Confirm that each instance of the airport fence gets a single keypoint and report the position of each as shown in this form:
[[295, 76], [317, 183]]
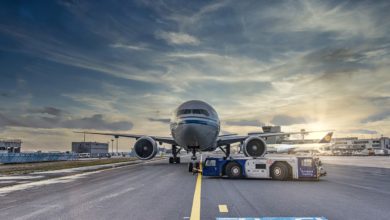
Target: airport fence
[[35, 157]]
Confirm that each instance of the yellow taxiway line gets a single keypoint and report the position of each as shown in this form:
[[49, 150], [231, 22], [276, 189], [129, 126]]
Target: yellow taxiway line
[[195, 211]]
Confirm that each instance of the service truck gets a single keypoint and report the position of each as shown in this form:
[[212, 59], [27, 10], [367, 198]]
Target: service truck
[[270, 167]]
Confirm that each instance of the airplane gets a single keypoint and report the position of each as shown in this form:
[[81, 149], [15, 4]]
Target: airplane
[[195, 127], [320, 146]]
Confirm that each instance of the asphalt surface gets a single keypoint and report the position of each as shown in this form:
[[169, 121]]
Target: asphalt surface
[[158, 190]]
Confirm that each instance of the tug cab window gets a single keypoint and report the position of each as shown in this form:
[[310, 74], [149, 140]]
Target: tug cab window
[[307, 162], [210, 163]]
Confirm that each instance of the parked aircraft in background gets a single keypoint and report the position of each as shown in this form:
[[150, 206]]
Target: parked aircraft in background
[[322, 146]]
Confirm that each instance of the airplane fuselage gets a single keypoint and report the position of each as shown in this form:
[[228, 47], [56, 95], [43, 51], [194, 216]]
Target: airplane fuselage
[[195, 124]]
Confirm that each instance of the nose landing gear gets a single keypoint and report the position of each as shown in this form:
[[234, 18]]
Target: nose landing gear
[[193, 166]]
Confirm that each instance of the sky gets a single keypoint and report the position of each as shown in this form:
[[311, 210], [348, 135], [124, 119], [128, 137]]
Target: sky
[[123, 66]]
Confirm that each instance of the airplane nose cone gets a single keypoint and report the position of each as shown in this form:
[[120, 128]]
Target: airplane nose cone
[[190, 134], [195, 133]]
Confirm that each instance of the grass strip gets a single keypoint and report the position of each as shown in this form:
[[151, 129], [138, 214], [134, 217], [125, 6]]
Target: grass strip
[[26, 168]]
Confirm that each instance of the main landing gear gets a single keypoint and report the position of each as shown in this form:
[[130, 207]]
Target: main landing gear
[[175, 158]]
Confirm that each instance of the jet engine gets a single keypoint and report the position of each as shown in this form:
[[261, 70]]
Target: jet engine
[[145, 148], [254, 147]]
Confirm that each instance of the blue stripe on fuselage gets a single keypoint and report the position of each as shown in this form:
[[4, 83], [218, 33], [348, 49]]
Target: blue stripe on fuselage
[[200, 122], [197, 117]]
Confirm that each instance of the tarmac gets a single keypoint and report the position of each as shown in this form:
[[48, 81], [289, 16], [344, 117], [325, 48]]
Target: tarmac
[[158, 190]]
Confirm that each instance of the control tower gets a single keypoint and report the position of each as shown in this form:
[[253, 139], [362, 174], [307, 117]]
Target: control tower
[[273, 129]]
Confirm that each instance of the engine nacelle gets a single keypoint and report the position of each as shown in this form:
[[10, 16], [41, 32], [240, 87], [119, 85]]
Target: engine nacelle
[[254, 147], [145, 148]]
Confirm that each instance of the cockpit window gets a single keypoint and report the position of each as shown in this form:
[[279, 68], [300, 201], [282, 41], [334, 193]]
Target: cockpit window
[[200, 112], [193, 111], [184, 111]]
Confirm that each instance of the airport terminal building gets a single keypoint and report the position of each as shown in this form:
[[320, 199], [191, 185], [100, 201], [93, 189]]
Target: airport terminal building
[[90, 147], [353, 143], [10, 145]]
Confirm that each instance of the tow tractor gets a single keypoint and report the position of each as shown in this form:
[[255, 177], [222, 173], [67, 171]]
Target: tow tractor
[[269, 167]]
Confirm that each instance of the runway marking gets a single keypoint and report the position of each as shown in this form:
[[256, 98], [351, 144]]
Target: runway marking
[[24, 186], [223, 208], [110, 196], [195, 211], [362, 187], [39, 210]]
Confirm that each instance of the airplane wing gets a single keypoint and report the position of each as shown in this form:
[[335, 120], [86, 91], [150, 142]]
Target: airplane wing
[[224, 140], [167, 140]]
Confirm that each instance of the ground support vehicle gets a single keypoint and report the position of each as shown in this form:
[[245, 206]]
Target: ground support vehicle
[[269, 167]]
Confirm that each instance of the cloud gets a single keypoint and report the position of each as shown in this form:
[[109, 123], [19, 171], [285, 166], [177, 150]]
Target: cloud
[[162, 120], [97, 122], [344, 19], [185, 19], [5, 94], [6, 121], [58, 120], [177, 38], [128, 46], [47, 110], [377, 117], [359, 131], [287, 120], [337, 60], [331, 55], [244, 122]]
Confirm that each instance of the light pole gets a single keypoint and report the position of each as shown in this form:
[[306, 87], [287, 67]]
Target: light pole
[[117, 140], [112, 146]]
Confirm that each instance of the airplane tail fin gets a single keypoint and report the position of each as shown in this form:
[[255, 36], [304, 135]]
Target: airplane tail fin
[[327, 138]]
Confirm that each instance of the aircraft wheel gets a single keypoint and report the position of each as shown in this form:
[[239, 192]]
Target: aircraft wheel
[[279, 171], [171, 160], [190, 167], [177, 160], [233, 170]]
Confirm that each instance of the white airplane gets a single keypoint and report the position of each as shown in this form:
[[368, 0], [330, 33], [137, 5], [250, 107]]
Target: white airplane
[[320, 146], [195, 127]]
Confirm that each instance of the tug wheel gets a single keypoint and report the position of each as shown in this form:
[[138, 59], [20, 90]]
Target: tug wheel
[[233, 170], [279, 171]]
